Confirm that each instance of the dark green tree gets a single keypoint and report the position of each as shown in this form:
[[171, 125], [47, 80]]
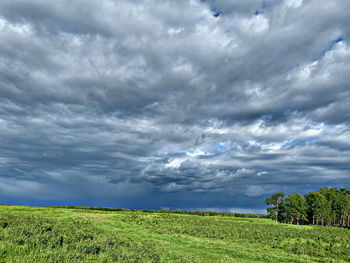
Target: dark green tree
[[338, 204], [318, 208], [276, 212], [296, 209], [328, 206]]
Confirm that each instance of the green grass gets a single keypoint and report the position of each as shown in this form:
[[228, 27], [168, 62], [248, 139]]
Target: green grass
[[32, 234]]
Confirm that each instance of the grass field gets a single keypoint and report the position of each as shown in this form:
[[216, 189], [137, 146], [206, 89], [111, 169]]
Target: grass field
[[31, 234]]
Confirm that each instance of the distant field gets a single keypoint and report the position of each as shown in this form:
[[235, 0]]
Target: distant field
[[30, 234]]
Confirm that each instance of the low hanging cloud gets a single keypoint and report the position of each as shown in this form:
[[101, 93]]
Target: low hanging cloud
[[178, 104], [192, 176]]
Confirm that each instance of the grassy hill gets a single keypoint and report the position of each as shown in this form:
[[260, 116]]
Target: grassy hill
[[32, 234]]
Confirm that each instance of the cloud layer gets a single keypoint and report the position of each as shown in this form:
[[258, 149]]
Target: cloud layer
[[176, 104]]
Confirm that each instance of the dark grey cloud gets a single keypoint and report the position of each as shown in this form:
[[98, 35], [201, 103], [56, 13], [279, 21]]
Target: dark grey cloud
[[177, 104]]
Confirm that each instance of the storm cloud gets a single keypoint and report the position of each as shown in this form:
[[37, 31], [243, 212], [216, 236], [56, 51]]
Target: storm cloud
[[172, 104]]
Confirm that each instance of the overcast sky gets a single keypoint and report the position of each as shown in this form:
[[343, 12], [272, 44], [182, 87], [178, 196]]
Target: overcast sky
[[172, 104]]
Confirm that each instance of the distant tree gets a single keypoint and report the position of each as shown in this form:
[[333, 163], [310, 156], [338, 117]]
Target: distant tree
[[328, 206], [346, 207], [319, 209], [338, 204], [296, 209], [276, 212], [345, 192]]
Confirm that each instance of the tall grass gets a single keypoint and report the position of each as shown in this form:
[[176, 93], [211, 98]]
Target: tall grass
[[30, 234]]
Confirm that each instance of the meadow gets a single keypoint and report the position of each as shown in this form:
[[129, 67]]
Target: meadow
[[46, 234]]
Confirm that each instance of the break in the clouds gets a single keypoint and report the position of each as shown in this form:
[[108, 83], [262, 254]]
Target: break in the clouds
[[176, 104]]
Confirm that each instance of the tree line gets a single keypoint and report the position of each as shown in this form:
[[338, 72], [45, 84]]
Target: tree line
[[327, 207], [165, 211]]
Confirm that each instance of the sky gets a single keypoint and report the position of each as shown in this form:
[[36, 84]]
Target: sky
[[183, 104]]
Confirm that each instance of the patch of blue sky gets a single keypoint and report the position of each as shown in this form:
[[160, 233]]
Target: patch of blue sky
[[258, 12], [332, 44], [291, 142], [329, 134], [264, 5], [216, 13], [220, 147], [296, 142]]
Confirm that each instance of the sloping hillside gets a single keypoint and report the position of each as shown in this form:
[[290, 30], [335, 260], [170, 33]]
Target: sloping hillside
[[29, 234]]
